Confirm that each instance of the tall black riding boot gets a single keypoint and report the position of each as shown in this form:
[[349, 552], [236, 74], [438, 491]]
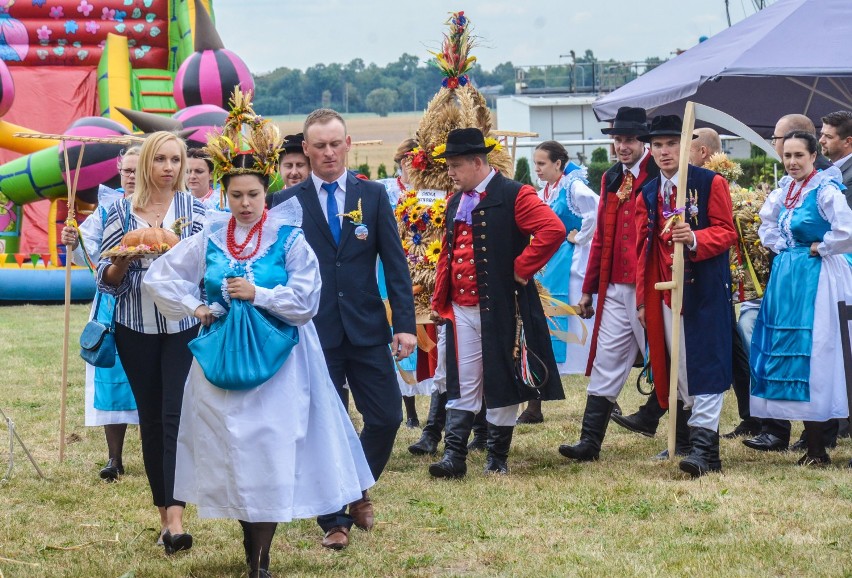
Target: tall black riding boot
[[499, 440], [815, 436], [646, 420], [682, 434], [704, 456], [480, 431], [595, 419], [431, 436], [453, 464]]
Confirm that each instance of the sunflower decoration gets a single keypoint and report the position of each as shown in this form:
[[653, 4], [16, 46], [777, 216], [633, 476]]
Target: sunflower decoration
[[421, 229], [433, 251], [456, 105]]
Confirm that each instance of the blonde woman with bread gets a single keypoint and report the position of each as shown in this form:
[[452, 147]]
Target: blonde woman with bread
[[153, 350]]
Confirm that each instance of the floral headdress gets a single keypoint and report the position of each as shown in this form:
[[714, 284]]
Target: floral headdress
[[244, 133]]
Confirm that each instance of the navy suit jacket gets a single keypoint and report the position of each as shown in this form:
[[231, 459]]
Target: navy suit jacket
[[350, 303]]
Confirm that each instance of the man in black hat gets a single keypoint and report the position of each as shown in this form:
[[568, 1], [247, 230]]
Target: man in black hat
[[705, 227], [293, 165], [483, 274], [617, 337]]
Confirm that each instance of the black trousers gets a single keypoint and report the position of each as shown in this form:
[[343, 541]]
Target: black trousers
[[157, 365], [370, 374], [741, 373]]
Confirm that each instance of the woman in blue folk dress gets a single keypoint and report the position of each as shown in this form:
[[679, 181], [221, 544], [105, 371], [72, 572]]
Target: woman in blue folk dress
[[566, 191], [796, 356], [263, 435]]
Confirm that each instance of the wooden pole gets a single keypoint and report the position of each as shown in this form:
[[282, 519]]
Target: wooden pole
[[63, 392], [676, 284]]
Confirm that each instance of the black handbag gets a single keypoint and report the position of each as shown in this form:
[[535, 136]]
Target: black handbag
[[97, 341]]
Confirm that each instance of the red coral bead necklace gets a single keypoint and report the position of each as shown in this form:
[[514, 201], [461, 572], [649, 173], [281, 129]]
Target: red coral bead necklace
[[792, 199], [237, 249]]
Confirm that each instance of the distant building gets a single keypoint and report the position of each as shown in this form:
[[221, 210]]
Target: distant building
[[570, 120]]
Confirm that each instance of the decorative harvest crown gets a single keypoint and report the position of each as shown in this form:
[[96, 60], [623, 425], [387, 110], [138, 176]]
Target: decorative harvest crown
[[455, 60], [244, 133], [456, 105]]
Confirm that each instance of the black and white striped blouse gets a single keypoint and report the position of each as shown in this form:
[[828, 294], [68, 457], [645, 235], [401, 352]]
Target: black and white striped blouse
[[133, 307]]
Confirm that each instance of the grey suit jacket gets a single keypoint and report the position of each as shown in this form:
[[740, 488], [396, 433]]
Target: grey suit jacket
[[846, 169]]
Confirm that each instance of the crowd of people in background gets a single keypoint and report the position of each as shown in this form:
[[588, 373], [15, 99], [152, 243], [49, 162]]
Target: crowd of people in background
[[305, 259]]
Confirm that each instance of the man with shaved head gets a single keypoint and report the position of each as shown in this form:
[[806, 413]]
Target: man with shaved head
[[705, 145], [791, 122]]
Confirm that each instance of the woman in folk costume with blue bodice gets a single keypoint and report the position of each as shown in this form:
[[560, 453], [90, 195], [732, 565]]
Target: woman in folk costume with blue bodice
[[263, 437], [566, 191], [796, 356], [108, 398]]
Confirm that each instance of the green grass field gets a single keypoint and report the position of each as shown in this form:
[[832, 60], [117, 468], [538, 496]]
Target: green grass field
[[622, 516]]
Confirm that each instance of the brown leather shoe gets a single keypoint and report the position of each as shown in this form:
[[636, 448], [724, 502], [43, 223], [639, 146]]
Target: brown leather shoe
[[337, 538], [362, 512]]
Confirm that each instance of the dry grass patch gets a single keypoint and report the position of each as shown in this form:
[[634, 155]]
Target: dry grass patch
[[621, 516]]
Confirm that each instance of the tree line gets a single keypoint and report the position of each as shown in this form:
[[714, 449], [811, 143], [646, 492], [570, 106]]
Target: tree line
[[409, 83]]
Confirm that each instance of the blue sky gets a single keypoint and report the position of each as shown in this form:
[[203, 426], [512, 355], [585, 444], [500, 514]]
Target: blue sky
[[297, 34]]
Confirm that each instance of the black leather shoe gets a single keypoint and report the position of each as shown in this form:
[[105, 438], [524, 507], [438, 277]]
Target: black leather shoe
[[814, 461], [766, 442], [635, 423], [112, 470], [425, 445], [176, 542], [800, 445], [747, 427], [260, 573], [412, 423]]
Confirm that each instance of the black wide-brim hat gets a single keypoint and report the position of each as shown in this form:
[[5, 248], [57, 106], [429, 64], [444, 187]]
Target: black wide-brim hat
[[465, 141], [629, 121], [664, 125], [293, 144]]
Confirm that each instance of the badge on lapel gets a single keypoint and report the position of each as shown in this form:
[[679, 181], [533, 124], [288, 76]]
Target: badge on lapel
[[356, 217]]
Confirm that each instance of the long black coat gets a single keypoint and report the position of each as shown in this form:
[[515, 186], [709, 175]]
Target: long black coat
[[497, 242]]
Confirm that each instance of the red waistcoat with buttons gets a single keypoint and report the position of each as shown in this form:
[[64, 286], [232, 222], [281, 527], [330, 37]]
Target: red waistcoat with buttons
[[463, 280]]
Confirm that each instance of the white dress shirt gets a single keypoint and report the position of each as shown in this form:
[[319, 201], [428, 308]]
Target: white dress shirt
[[339, 194]]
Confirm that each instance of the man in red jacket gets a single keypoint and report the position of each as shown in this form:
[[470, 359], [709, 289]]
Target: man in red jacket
[[617, 337], [499, 234], [705, 227]]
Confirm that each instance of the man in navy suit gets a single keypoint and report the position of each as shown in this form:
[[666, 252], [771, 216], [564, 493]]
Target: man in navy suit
[[352, 322]]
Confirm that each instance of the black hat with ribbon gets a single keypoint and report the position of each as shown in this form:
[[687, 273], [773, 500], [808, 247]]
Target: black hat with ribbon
[[292, 144], [664, 125], [465, 141], [629, 121]]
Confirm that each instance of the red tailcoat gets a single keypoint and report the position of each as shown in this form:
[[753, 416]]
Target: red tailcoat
[[612, 258]]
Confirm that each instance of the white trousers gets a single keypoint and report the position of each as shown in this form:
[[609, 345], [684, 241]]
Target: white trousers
[[620, 339], [706, 409], [439, 381], [469, 347]]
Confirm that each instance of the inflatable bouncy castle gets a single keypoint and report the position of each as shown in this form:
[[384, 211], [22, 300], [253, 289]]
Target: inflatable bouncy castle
[[94, 68]]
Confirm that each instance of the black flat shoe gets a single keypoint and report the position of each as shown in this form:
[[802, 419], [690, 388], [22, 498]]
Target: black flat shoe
[[112, 470], [176, 542]]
